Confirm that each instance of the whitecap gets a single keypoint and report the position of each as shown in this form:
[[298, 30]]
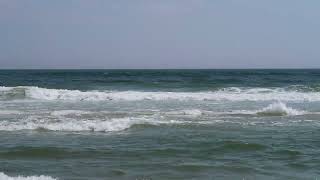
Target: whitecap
[[254, 94], [3, 88], [227, 94], [279, 109], [69, 124], [41, 177]]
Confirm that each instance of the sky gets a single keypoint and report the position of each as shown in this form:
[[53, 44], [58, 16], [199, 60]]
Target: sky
[[143, 34]]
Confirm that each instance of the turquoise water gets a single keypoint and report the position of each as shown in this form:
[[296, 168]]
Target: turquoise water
[[160, 124]]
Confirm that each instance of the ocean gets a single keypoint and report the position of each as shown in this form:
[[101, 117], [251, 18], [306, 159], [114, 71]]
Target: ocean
[[160, 124]]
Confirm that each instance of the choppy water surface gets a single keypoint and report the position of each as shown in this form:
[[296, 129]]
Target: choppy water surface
[[160, 124]]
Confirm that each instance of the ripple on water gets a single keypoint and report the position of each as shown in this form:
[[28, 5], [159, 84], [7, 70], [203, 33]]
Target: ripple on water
[[239, 146], [49, 153]]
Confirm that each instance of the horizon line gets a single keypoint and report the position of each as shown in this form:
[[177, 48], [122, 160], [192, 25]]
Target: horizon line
[[307, 68]]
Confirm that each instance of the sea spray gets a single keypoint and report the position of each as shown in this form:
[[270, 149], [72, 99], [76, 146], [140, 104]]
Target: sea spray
[[279, 109]]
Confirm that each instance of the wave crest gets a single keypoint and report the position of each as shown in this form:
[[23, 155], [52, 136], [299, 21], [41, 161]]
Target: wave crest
[[279, 109], [228, 94], [68, 124], [41, 177]]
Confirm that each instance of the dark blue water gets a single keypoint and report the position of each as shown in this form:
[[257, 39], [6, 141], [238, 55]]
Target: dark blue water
[[160, 124], [171, 80]]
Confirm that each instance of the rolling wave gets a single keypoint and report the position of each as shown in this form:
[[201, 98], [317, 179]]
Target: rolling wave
[[274, 109], [70, 124], [227, 94], [101, 121]]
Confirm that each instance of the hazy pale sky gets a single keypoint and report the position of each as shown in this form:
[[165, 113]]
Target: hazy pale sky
[[159, 34]]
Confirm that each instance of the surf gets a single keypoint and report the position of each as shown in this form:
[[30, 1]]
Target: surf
[[225, 94]]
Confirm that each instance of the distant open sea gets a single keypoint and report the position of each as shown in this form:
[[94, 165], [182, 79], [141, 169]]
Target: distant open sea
[[159, 124]]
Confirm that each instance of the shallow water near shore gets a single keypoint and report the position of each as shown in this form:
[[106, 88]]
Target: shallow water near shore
[[159, 124]]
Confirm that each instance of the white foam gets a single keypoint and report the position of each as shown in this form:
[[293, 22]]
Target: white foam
[[9, 112], [62, 122], [279, 108], [69, 124], [255, 94], [69, 112], [186, 112], [227, 94], [41, 177], [3, 88]]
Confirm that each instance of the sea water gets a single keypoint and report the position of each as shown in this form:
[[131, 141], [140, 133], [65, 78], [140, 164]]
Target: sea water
[[159, 124]]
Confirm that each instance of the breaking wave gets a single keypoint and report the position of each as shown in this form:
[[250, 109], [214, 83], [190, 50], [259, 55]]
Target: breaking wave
[[274, 109], [41, 177], [69, 124], [279, 109], [100, 121], [228, 94]]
